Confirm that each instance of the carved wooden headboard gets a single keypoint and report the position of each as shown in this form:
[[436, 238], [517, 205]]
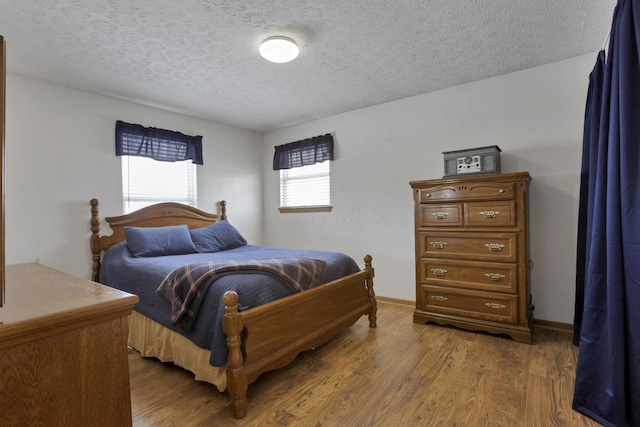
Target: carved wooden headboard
[[158, 215]]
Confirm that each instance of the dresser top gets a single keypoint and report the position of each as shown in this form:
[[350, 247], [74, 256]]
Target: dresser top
[[39, 298], [495, 177]]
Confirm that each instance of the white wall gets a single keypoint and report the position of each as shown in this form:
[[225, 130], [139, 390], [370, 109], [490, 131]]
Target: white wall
[[535, 116], [60, 153]]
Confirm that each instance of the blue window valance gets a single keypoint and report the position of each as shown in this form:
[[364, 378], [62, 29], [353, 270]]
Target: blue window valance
[[158, 144], [304, 152]]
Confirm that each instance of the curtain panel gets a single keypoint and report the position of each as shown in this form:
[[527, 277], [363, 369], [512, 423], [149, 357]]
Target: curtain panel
[[303, 153], [158, 144], [607, 386], [590, 148]]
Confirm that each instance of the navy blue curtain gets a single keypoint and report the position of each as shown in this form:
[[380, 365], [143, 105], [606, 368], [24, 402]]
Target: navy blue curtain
[[158, 144], [303, 153], [607, 386], [590, 157]]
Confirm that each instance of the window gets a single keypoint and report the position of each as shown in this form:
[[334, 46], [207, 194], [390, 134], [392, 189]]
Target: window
[[158, 165], [306, 187], [146, 181], [305, 181]]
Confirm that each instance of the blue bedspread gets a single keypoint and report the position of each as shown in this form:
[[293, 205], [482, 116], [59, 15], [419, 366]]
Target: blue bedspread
[[142, 276]]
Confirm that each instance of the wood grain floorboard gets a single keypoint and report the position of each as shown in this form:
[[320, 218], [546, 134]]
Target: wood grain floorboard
[[399, 374]]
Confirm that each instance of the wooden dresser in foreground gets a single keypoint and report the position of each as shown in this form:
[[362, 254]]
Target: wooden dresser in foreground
[[63, 350], [472, 253]]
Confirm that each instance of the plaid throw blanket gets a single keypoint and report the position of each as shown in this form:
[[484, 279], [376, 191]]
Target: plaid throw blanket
[[185, 286]]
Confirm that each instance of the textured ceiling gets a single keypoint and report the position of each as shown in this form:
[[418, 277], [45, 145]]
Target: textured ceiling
[[199, 57]]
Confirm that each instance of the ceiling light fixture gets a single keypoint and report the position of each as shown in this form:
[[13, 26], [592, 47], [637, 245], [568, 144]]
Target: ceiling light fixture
[[279, 49]]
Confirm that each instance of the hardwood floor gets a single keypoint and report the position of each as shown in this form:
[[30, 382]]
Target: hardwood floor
[[400, 374]]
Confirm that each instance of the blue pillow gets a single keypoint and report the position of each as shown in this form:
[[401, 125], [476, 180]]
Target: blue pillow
[[220, 236], [159, 241]]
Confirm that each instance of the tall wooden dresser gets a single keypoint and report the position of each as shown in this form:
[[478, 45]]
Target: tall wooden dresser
[[472, 253]]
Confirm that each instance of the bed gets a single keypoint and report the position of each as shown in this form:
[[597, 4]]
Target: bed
[[255, 336]]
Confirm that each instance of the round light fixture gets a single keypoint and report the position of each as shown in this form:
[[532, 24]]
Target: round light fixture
[[279, 49]]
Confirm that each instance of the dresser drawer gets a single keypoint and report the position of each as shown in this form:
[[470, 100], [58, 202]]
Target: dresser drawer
[[474, 304], [441, 215], [482, 276], [469, 190], [490, 214], [472, 246]]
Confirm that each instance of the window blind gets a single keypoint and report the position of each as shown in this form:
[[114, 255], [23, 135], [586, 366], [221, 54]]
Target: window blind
[[146, 181], [306, 186]]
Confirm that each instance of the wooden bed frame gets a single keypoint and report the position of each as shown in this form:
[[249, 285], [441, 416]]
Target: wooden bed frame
[[263, 338]]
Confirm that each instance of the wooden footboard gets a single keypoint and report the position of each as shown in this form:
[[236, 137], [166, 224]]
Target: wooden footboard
[[270, 336]]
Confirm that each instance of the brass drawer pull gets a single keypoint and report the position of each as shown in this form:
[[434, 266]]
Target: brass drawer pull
[[438, 245], [494, 276], [495, 246], [439, 298], [439, 271], [489, 214], [440, 215], [495, 305]]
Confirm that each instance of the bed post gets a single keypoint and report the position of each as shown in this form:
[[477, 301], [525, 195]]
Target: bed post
[[372, 296], [236, 375], [95, 240], [223, 209]]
